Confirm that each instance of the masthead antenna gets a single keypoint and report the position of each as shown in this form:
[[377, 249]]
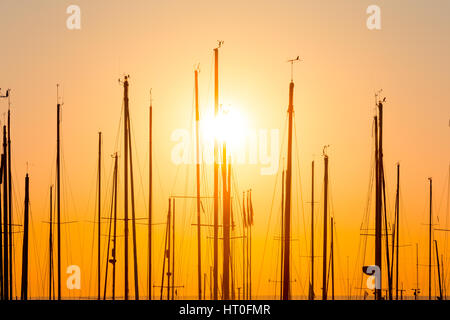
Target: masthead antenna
[[377, 99], [6, 95], [151, 99], [291, 61], [57, 93]]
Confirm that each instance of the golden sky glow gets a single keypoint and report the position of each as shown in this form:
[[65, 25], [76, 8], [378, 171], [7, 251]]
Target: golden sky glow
[[159, 43]]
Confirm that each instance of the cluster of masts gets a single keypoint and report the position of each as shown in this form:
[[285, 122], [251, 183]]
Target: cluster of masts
[[222, 177]]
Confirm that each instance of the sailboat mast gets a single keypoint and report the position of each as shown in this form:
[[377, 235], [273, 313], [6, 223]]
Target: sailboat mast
[[99, 212], [244, 242], [150, 198], [417, 272], [282, 233], [197, 145], [216, 174], [5, 218], [4, 250], [226, 227], [114, 252], [325, 226], [50, 246], [24, 290], [173, 248], [58, 194], [169, 220], [10, 201], [133, 214], [125, 168], [397, 232], [377, 209], [1, 240], [250, 246], [111, 222], [439, 270], [332, 258], [230, 211], [388, 263], [287, 211], [166, 253], [312, 232], [430, 238]]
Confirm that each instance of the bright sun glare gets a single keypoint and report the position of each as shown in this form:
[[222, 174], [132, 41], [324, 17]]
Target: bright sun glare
[[228, 126]]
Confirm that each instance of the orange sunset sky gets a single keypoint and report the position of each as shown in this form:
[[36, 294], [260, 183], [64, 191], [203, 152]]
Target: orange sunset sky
[[158, 43]]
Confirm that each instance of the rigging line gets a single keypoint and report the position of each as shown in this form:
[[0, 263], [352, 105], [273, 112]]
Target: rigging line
[[366, 216], [68, 194], [65, 206], [18, 208], [138, 165], [181, 256], [93, 233], [440, 204], [93, 239], [337, 245], [271, 208], [209, 98], [238, 213], [404, 228], [332, 214], [299, 186], [107, 204], [445, 236], [35, 249]]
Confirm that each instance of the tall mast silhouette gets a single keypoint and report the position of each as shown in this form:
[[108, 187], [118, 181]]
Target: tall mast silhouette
[[125, 168], [197, 152], [282, 232], [128, 159], [4, 250], [10, 201], [311, 291], [2, 275], [150, 198], [250, 224], [379, 187], [5, 218], [287, 211], [439, 271], [216, 174], [168, 236], [325, 225], [112, 220], [397, 229], [50, 247], [114, 250], [24, 288], [99, 212], [58, 190], [133, 212], [332, 257], [430, 236], [226, 227], [244, 247]]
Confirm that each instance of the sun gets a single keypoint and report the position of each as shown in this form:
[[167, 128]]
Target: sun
[[227, 127]]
